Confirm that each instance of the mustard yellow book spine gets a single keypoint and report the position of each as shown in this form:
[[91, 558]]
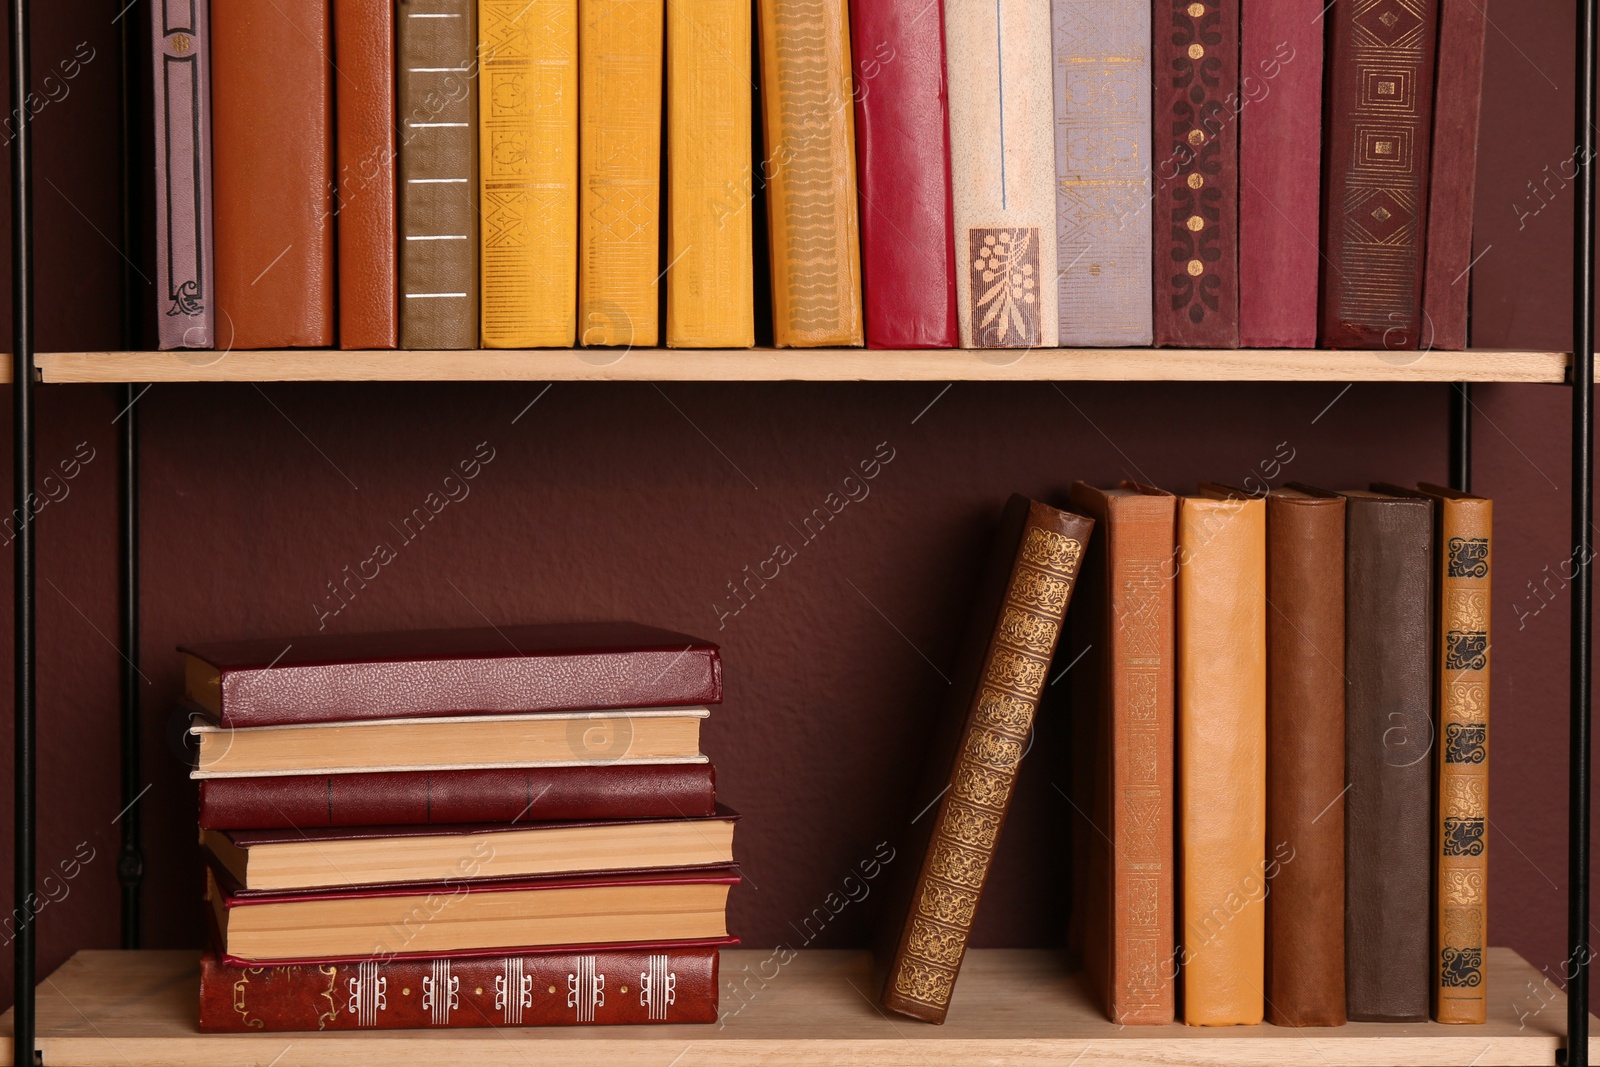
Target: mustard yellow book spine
[[710, 181], [619, 156], [808, 114], [528, 171]]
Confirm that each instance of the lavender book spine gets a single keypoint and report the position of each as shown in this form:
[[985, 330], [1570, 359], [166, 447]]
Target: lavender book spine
[[184, 270]]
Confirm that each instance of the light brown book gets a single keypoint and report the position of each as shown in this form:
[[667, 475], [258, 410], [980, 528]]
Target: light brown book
[[1123, 716]]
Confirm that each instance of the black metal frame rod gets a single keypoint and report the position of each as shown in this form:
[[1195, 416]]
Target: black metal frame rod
[[1461, 437]]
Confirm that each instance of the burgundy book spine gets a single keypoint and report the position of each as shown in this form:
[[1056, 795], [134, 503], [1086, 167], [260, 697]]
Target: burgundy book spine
[[185, 271], [1446, 272], [1195, 59], [1375, 206], [670, 985], [1280, 172], [539, 794], [903, 159]]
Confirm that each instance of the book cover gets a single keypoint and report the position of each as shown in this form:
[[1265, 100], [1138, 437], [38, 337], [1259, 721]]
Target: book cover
[[1453, 181], [368, 222], [186, 296]]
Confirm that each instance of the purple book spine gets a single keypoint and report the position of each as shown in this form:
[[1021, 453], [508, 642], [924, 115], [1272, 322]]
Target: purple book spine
[[184, 271]]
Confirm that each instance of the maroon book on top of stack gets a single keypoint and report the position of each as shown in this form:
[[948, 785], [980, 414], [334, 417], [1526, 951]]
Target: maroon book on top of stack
[[483, 816]]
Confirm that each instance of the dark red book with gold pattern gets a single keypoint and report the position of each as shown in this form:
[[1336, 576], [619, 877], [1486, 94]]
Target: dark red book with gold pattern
[[1196, 146]]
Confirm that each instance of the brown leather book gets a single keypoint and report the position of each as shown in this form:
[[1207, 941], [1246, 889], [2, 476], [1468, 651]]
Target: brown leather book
[[1122, 695], [1305, 758], [1003, 670], [369, 315], [1222, 728], [437, 42], [1388, 666], [272, 152]]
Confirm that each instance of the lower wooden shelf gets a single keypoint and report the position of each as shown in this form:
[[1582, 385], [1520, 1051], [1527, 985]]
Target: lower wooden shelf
[[129, 1009]]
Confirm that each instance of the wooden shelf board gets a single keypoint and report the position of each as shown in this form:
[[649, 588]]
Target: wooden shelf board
[[129, 1009], [806, 364]]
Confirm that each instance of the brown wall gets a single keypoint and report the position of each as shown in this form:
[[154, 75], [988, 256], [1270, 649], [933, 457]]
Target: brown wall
[[644, 501]]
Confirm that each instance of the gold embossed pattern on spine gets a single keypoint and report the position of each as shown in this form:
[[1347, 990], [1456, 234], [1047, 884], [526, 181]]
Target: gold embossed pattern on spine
[[1460, 993], [811, 164], [710, 182], [620, 156], [528, 167], [968, 822]]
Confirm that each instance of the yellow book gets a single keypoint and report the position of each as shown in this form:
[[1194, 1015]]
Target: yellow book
[[528, 170], [619, 155], [809, 117], [710, 182]]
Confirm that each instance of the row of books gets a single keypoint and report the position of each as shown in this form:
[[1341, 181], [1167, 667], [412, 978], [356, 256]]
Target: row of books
[[512, 826], [1013, 173]]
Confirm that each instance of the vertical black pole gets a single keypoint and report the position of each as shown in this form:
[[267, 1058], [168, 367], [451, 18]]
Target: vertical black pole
[[1461, 437], [1582, 515], [23, 710]]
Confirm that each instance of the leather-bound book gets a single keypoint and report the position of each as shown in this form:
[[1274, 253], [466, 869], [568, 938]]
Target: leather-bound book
[[1280, 172], [903, 167], [401, 798], [1389, 741], [272, 142], [369, 285], [1305, 758], [1102, 110], [1002, 172], [810, 170], [1196, 205], [1003, 668], [336, 678], [709, 268], [619, 155], [528, 171], [589, 987], [1376, 163], [438, 76], [1124, 715], [1447, 269], [1463, 536], [1222, 719], [186, 286]]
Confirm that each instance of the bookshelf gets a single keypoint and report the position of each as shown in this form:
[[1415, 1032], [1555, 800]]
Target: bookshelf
[[1012, 1007]]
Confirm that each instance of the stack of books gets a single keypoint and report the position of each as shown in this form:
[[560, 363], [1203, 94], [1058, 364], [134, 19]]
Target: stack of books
[[497, 827]]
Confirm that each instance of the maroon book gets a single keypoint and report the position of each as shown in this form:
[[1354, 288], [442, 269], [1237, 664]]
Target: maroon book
[[400, 798], [1447, 269], [903, 164], [417, 673], [1375, 196], [667, 983], [1195, 223], [1280, 172]]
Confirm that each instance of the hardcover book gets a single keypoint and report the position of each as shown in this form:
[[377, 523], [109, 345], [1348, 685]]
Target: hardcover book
[[1003, 668], [1102, 110], [369, 287], [185, 255], [1452, 186]]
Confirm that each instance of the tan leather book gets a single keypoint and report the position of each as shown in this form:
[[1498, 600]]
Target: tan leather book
[[1305, 759], [809, 122], [1222, 788], [1123, 717], [1003, 669], [369, 314]]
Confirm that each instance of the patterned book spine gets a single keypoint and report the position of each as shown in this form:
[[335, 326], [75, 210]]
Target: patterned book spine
[[438, 101], [184, 261], [811, 172], [710, 183], [620, 155], [1447, 272], [528, 51], [559, 989], [1196, 212], [1375, 208], [1102, 107], [1460, 992]]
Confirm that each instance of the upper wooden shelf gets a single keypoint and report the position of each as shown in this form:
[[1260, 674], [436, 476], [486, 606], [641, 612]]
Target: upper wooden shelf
[[807, 364], [130, 1009]]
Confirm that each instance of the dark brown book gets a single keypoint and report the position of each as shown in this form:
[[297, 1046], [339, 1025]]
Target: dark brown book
[[1447, 274], [1305, 758], [1123, 720], [1003, 669]]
